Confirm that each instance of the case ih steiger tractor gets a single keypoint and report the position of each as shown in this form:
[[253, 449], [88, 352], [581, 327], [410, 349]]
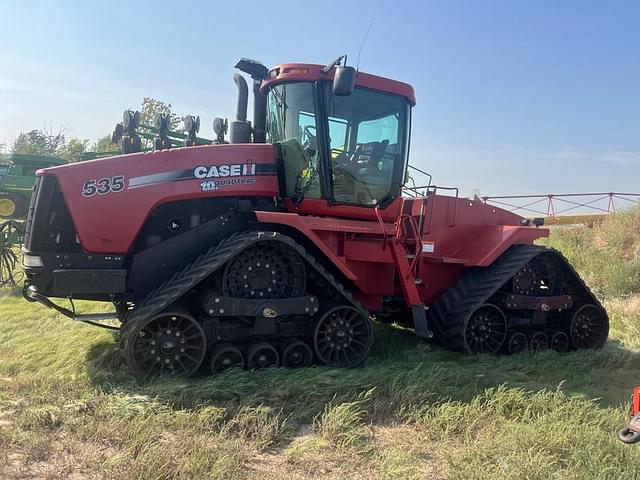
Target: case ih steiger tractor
[[281, 246]]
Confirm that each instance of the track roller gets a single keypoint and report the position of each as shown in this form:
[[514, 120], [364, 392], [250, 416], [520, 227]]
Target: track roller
[[517, 343], [485, 331], [343, 337], [262, 355], [560, 342], [170, 342], [225, 356], [297, 354], [589, 327], [539, 342]]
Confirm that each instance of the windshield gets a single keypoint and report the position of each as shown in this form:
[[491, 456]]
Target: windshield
[[367, 141]]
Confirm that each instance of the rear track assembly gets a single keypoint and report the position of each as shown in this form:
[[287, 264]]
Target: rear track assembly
[[528, 299]]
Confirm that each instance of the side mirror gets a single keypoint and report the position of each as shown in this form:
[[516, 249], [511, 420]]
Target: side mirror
[[344, 81]]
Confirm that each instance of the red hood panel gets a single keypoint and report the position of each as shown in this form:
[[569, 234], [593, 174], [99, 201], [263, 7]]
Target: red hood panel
[[109, 199]]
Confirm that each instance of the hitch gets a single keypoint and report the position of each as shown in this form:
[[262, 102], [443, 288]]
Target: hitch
[[631, 433], [31, 294]]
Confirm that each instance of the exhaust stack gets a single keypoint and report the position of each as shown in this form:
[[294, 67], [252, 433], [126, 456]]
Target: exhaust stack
[[240, 129], [258, 72]]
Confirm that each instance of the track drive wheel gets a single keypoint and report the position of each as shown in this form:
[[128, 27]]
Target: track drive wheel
[[589, 327], [485, 331], [262, 355], [540, 277], [225, 356], [517, 343], [171, 342], [343, 337], [265, 270], [297, 354]]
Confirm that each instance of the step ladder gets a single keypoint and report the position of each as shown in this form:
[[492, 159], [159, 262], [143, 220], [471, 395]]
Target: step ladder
[[406, 251]]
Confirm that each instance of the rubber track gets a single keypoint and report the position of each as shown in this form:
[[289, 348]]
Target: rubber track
[[448, 314], [209, 262]]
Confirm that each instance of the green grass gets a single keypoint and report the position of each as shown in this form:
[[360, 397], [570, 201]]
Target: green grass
[[413, 411]]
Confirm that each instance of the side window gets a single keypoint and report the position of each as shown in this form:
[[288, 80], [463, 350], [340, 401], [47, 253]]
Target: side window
[[291, 126]]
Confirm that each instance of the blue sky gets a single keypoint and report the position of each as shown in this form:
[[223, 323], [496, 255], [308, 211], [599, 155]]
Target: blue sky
[[513, 96]]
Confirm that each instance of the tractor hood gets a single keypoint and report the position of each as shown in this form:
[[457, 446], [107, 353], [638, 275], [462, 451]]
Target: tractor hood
[[110, 198]]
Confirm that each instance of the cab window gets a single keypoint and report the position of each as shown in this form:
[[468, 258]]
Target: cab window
[[369, 148], [292, 128]]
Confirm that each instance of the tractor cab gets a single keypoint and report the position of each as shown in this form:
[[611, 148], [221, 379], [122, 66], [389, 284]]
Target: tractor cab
[[340, 136]]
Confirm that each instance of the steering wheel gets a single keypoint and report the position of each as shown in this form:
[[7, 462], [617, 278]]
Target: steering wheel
[[309, 140]]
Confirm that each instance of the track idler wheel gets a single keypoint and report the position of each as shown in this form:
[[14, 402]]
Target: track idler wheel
[[539, 342], [225, 356], [517, 343], [560, 342], [485, 331], [262, 355], [343, 337], [297, 354], [589, 327], [170, 342]]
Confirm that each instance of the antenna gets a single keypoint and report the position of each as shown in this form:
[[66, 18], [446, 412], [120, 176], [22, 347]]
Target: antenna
[[373, 19]]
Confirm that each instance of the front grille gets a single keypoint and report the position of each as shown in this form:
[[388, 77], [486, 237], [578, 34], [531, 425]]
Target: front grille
[[32, 203], [49, 225]]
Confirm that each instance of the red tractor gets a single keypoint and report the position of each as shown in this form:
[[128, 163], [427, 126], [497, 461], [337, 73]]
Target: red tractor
[[281, 246]]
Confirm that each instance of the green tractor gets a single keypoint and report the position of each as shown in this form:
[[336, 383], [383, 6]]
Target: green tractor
[[17, 177]]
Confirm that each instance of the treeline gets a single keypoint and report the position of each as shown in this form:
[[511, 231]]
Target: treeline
[[50, 143]]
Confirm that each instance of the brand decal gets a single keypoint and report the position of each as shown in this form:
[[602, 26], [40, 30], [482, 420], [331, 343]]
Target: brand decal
[[211, 177], [225, 170]]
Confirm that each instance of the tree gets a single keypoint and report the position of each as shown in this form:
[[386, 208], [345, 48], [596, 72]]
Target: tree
[[104, 144], [40, 142], [151, 106], [73, 150]]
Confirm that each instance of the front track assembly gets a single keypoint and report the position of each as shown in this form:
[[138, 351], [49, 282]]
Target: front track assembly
[[255, 300], [529, 299]]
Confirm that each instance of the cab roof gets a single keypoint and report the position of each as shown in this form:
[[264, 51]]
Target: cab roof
[[300, 72]]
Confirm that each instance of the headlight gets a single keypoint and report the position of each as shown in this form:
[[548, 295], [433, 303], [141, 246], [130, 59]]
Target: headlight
[[32, 261]]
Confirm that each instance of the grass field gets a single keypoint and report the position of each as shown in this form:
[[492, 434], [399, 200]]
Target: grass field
[[412, 411]]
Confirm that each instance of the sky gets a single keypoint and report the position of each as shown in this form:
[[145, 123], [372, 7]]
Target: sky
[[513, 97]]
